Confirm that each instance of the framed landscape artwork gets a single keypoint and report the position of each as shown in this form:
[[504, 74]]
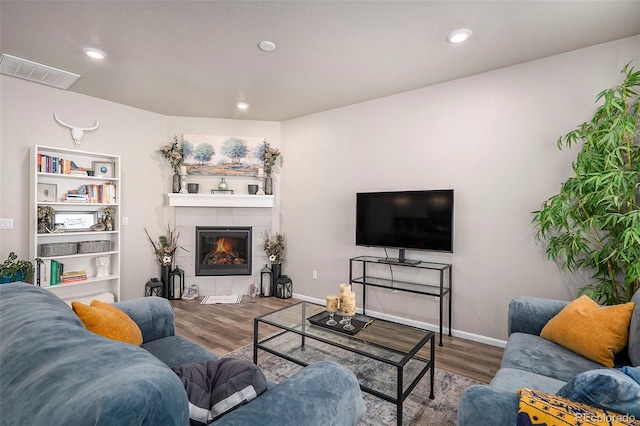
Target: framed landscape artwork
[[208, 155]]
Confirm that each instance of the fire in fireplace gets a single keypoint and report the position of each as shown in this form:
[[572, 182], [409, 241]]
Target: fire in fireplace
[[223, 250]]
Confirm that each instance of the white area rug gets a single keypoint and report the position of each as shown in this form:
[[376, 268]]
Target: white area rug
[[211, 300]]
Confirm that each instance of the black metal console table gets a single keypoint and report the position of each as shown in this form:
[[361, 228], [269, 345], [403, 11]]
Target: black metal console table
[[440, 290]]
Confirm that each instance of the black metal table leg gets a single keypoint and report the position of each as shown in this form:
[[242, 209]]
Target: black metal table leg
[[450, 290], [255, 341], [432, 374]]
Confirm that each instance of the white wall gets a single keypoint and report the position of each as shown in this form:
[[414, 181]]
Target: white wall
[[491, 137]]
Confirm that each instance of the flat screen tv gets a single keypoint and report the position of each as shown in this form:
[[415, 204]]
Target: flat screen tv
[[406, 220]]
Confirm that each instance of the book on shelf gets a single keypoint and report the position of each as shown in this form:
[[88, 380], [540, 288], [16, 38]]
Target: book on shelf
[[48, 272], [76, 198], [57, 165], [45, 268], [38, 272], [74, 274], [92, 193], [54, 276], [73, 280]]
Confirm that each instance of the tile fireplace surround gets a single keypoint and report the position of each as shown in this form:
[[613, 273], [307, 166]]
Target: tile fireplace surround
[[186, 220]]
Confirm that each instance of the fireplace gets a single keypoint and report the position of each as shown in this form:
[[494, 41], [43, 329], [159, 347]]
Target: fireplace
[[223, 250]]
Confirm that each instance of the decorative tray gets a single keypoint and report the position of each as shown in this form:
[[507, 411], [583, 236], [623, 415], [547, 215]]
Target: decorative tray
[[358, 321]]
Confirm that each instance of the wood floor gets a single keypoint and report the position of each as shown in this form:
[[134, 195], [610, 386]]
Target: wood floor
[[223, 328]]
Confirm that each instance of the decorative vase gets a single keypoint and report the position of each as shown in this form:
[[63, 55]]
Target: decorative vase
[[276, 272], [268, 185], [222, 186], [165, 270], [175, 187]]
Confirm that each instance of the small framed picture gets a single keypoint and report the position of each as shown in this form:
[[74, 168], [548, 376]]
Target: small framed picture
[[103, 169], [47, 192], [77, 221]]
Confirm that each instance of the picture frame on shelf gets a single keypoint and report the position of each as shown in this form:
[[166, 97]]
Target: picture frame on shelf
[[77, 221], [47, 192], [103, 168]]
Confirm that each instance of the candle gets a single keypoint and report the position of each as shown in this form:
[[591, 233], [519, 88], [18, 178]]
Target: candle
[[343, 288], [332, 303], [349, 303], [183, 170], [260, 171]]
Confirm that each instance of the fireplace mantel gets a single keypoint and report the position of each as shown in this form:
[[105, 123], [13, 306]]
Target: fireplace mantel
[[220, 200]]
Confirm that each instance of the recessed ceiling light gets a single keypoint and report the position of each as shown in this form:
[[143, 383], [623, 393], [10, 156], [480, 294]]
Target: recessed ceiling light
[[242, 105], [267, 46], [459, 36], [94, 53]]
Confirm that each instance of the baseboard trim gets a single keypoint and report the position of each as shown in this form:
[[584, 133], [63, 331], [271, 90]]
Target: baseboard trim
[[427, 326]]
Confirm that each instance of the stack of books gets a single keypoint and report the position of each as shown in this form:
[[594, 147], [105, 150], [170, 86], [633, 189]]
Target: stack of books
[[74, 197], [49, 272], [74, 276], [92, 193]]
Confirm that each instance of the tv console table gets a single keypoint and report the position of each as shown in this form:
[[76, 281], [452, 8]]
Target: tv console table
[[440, 290]]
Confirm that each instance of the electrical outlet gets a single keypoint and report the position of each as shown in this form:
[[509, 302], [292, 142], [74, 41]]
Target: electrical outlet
[[314, 275], [6, 223], [436, 298]]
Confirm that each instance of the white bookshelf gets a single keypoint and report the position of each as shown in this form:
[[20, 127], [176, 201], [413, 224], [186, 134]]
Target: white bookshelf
[[42, 177]]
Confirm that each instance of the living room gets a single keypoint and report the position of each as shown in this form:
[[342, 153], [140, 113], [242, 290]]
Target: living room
[[490, 136]]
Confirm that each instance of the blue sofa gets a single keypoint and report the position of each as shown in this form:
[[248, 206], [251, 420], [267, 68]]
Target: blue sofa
[[533, 362], [54, 371]]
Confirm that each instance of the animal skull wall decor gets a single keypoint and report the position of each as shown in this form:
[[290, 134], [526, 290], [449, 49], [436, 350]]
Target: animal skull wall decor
[[77, 133]]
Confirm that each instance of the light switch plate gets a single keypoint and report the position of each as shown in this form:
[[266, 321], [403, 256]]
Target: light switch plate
[[6, 223]]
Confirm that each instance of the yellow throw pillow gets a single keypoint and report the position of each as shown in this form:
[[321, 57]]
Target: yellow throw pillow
[[588, 329], [108, 321], [539, 408]]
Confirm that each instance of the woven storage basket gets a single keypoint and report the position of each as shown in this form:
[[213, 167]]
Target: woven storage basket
[[58, 249], [94, 246]]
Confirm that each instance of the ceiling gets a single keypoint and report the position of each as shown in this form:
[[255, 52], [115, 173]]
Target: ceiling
[[199, 58]]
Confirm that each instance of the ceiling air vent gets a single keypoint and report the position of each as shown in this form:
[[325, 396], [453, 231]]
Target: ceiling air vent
[[39, 73]]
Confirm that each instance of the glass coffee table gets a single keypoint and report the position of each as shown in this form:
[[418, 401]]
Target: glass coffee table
[[382, 354]]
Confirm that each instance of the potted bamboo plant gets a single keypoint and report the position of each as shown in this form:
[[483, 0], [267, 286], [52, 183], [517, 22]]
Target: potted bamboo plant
[[593, 223]]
